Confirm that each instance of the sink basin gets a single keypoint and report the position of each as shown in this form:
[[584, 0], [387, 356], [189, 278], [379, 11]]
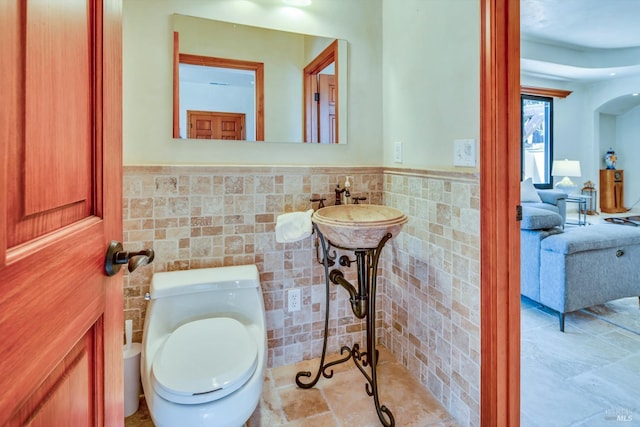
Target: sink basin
[[358, 226]]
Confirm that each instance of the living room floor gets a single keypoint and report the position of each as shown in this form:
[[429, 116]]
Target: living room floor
[[572, 216], [587, 376]]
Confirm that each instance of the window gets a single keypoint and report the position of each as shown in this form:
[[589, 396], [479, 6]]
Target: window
[[537, 139]]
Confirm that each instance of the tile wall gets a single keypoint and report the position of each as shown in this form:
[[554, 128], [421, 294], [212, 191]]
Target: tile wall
[[428, 291], [431, 306], [196, 217]]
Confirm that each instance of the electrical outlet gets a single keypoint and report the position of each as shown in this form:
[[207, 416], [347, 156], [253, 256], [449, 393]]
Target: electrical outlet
[[294, 300]]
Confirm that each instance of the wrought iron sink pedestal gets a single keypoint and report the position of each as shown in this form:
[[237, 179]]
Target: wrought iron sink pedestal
[[353, 228]]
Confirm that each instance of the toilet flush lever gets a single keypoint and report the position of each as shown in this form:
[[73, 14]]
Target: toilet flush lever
[[117, 256]]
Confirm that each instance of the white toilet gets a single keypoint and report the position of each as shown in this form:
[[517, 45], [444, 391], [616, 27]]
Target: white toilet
[[204, 347]]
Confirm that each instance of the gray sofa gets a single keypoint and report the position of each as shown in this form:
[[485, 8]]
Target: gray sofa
[[567, 270], [551, 200]]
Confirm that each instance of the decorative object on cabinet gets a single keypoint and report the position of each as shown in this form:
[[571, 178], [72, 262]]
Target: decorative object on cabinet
[[612, 191], [610, 159], [590, 190]]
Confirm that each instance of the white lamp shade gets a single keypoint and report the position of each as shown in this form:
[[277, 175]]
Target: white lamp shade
[[566, 168]]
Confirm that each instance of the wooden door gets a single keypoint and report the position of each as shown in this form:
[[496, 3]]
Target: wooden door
[[327, 109], [61, 317], [216, 125]]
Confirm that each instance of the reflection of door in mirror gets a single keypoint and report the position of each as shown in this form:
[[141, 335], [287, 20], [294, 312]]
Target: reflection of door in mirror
[[327, 109], [228, 87], [284, 55], [215, 125], [321, 97]]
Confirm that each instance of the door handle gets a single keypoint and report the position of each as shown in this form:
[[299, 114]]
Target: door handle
[[116, 257]]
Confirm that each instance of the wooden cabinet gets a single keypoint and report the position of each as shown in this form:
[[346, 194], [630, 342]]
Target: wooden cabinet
[[612, 191]]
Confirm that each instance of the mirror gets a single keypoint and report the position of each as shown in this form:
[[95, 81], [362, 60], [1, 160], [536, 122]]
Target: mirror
[[256, 84]]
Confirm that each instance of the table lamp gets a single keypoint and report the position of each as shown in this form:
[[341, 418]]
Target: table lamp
[[566, 168]]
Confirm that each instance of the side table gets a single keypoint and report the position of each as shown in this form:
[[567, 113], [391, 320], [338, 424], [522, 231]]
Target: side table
[[581, 201]]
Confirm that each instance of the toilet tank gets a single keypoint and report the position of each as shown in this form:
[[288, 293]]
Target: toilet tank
[[178, 297], [218, 279]]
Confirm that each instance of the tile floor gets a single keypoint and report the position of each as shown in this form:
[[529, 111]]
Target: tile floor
[[340, 401], [572, 216], [587, 376]]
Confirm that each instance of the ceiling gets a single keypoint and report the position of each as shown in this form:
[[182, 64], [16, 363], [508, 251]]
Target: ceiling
[[601, 24], [582, 41], [598, 38]]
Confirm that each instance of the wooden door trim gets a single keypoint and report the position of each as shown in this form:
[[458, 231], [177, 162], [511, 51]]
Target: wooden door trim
[[325, 58], [110, 346], [176, 84], [499, 196], [544, 91]]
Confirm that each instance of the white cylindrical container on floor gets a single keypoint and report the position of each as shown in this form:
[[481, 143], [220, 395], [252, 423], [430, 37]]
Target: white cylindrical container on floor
[[131, 378]]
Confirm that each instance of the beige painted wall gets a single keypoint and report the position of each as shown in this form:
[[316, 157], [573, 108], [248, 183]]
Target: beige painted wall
[[431, 79], [424, 92], [147, 81]]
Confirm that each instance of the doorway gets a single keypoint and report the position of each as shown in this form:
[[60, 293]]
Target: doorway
[[247, 94], [321, 97]]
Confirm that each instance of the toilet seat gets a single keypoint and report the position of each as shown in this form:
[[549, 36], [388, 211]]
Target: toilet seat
[[204, 360]]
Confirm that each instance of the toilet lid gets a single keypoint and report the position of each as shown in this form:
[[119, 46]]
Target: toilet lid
[[204, 360]]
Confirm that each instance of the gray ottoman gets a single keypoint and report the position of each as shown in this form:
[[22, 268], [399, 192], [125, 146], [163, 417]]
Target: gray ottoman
[[590, 265]]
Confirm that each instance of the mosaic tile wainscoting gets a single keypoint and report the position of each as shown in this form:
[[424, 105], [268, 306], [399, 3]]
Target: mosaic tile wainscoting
[[432, 280], [206, 216], [428, 287]]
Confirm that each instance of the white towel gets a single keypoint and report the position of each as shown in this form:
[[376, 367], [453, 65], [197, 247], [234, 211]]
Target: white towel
[[294, 226]]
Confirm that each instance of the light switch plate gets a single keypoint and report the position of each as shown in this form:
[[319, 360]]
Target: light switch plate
[[464, 152], [397, 152]]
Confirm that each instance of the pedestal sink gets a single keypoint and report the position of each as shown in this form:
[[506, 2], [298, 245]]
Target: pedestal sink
[[358, 226], [363, 229]]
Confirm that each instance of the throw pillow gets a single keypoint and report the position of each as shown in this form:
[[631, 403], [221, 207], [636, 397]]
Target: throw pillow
[[528, 192]]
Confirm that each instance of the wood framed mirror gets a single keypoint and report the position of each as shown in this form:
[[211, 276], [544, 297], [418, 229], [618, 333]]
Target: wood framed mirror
[[279, 104]]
